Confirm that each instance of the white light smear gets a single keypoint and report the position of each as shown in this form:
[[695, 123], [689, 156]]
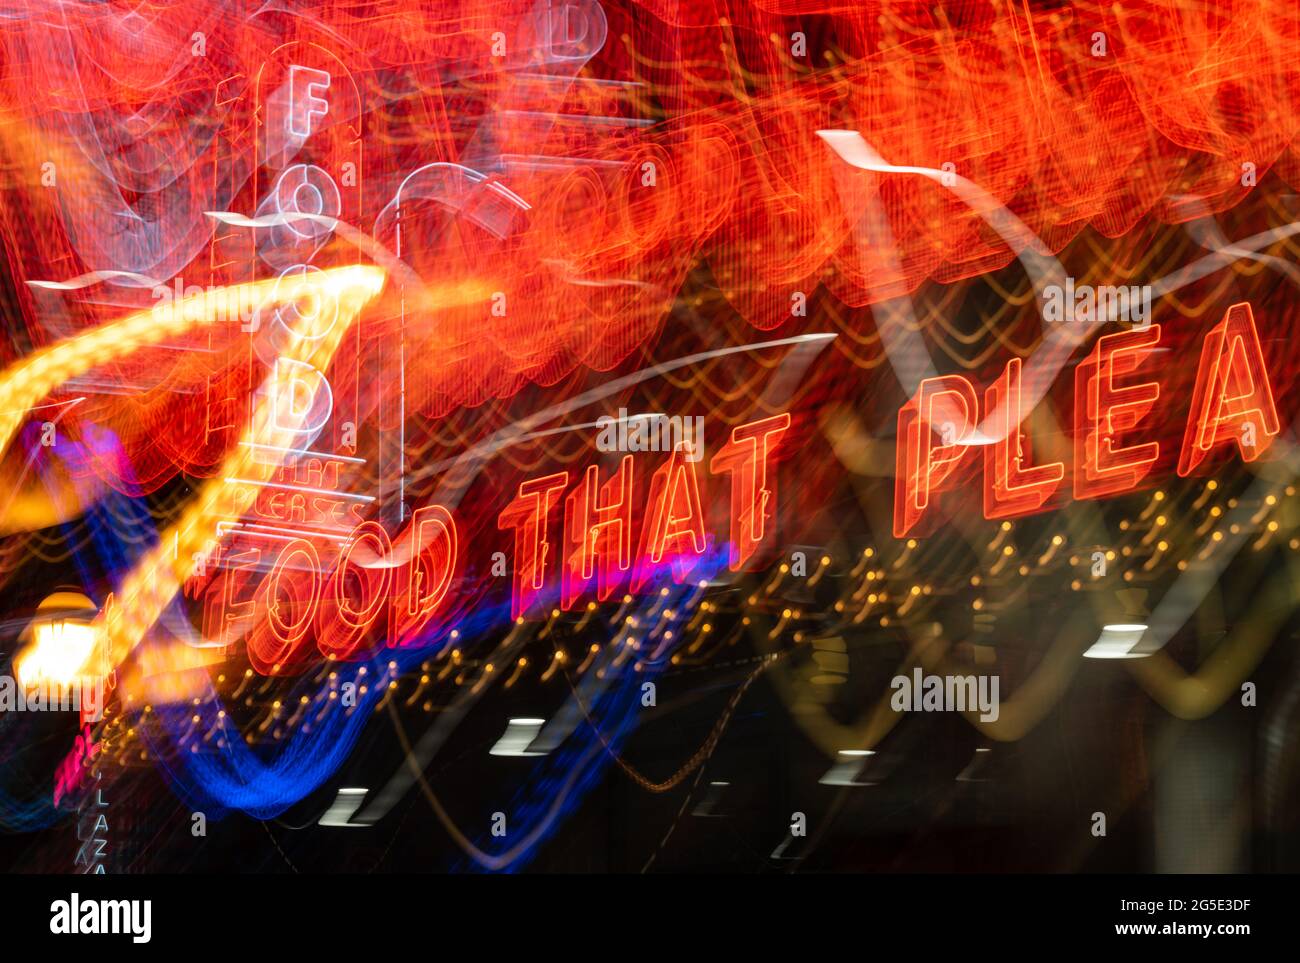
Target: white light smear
[[1117, 642], [94, 277], [347, 802], [848, 767], [519, 735]]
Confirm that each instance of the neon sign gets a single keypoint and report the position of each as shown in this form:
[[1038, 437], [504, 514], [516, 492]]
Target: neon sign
[[340, 590], [1115, 391]]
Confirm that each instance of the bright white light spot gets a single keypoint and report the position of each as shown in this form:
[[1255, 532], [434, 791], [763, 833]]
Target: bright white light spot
[[519, 735], [60, 655], [345, 805], [1117, 642]]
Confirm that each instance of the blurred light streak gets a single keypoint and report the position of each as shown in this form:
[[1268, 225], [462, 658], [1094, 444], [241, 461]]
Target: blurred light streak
[[344, 805], [517, 738]]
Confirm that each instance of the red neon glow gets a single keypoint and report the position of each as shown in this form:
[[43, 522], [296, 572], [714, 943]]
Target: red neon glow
[[342, 601], [431, 545], [342, 627], [529, 516], [1103, 466], [946, 407], [1233, 400], [72, 772], [597, 525], [340, 593], [1011, 486], [674, 521], [277, 642], [746, 458], [231, 587]]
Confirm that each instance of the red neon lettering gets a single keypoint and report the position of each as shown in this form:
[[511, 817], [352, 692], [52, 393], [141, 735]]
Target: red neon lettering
[[231, 582], [674, 523], [528, 515], [341, 628], [753, 493], [1232, 400], [430, 540], [276, 643], [71, 773], [1011, 486], [597, 524], [945, 406], [1107, 411]]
